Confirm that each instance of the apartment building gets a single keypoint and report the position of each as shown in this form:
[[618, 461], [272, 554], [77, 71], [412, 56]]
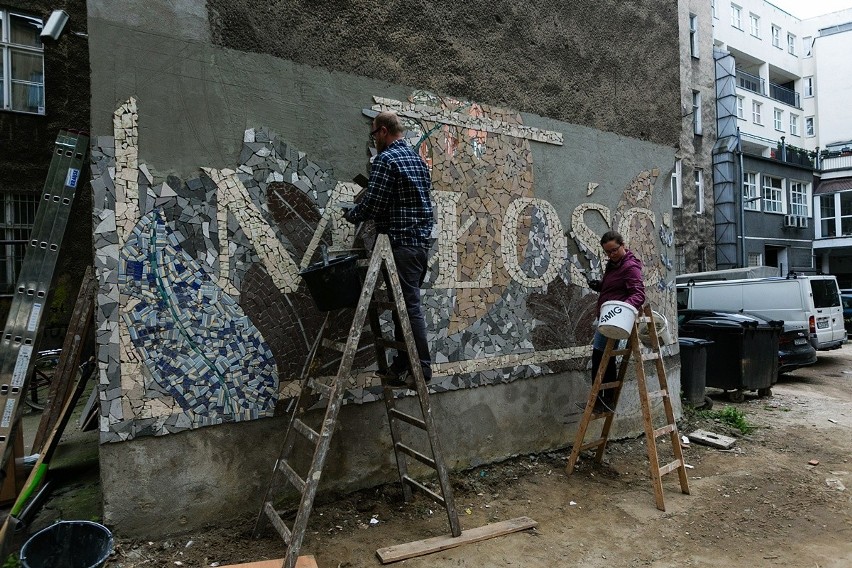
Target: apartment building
[[692, 179], [767, 218]]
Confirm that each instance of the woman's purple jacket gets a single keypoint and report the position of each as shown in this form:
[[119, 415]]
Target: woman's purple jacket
[[622, 281]]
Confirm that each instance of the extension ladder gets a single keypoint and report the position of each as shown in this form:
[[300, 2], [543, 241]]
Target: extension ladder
[[651, 434], [23, 325], [315, 389]]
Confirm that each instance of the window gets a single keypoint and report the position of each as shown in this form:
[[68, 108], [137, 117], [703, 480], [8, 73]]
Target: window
[[807, 46], [794, 124], [755, 259], [677, 191], [751, 199], [699, 191], [845, 213], [827, 212], [740, 112], [693, 35], [791, 44], [773, 195], [696, 113], [17, 213], [809, 86], [777, 116], [755, 25], [799, 199], [21, 63], [755, 112], [713, 9], [809, 126], [736, 12], [776, 36]]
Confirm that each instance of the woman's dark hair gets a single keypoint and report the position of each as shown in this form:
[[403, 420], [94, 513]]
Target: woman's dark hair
[[610, 236]]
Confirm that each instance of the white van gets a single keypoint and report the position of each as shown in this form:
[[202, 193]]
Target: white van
[[810, 303]]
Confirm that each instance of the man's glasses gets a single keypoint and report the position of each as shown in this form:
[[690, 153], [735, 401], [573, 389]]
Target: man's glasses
[[374, 132]]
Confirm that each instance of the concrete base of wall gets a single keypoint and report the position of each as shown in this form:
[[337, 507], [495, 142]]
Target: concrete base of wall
[[211, 475]]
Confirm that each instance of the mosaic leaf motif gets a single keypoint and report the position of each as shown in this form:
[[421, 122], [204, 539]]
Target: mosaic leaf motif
[[195, 341]]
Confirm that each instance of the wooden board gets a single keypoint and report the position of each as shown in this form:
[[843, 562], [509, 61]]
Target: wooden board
[[438, 543], [302, 562], [712, 439]]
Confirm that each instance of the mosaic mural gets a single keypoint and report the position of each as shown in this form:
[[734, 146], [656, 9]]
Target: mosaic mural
[[202, 316]]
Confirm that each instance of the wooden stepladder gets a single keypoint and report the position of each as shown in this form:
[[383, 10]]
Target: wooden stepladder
[[317, 438], [651, 433]]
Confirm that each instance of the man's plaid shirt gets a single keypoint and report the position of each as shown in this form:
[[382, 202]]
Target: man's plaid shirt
[[397, 197]]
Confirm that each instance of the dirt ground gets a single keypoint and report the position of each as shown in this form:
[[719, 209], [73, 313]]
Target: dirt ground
[[759, 504]]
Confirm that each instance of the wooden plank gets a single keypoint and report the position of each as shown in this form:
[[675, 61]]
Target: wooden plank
[[439, 543], [303, 562], [712, 439]]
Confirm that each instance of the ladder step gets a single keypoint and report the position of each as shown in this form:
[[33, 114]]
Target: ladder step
[[592, 444], [643, 319], [619, 352], [668, 468], [383, 305], [324, 389], [664, 430], [334, 345], [651, 356], [306, 431], [662, 393], [391, 343], [612, 385], [413, 420], [291, 474], [422, 458], [417, 485], [276, 521]]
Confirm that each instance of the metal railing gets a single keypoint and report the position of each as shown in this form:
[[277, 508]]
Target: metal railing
[[836, 162], [751, 82], [784, 95]]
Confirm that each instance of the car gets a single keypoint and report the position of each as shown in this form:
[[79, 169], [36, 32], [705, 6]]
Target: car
[[846, 300], [794, 348]]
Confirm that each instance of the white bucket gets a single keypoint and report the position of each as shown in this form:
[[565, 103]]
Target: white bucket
[[662, 325], [616, 319]]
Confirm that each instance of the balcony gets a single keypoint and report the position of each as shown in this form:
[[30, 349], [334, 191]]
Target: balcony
[[757, 84]]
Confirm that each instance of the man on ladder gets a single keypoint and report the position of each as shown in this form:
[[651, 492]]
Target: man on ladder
[[622, 281], [397, 198]]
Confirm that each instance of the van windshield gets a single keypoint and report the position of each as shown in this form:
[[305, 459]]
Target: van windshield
[[825, 293]]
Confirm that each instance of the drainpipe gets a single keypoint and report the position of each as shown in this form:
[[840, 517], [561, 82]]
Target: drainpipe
[[783, 150], [741, 200], [818, 161]]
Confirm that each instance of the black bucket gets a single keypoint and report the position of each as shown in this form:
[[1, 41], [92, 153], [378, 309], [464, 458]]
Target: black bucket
[[68, 544], [334, 285]]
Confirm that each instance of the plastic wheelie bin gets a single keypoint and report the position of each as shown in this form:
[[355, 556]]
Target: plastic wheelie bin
[[693, 371], [744, 353]]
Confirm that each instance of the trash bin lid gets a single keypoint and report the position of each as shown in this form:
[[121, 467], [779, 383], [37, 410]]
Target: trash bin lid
[[693, 342], [718, 323]]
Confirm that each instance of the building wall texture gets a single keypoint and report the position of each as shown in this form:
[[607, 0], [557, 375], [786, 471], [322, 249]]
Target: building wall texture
[[216, 169], [26, 148]]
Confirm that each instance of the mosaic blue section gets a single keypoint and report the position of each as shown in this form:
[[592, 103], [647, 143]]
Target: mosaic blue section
[[195, 341]]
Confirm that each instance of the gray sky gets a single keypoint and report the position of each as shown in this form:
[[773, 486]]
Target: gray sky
[[804, 9]]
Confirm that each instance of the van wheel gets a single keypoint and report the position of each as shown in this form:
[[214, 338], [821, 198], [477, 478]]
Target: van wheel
[[736, 395], [764, 392]]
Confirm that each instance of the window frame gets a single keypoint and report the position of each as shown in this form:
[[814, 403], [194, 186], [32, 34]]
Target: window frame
[[675, 184], [736, 16], [697, 126], [7, 49], [791, 43], [810, 129], [776, 36], [808, 88], [693, 36], [741, 107], [750, 191], [794, 124], [754, 25], [756, 108], [698, 175], [807, 46], [773, 197], [778, 119], [828, 215], [14, 235], [799, 193]]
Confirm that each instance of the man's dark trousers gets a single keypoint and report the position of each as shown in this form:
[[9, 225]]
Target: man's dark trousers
[[411, 265]]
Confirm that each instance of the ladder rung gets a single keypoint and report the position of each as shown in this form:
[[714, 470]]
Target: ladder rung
[[276, 521], [384, 305], [306, 431], [324, 389], [662, 393], [422, 458], [668, 468], [612, 385], [593, 444], [664, 430], [417, 485], [291, 474], [413, 420], [335, 345], [651, 356], [643, 319], [619, 352], [391, 343]]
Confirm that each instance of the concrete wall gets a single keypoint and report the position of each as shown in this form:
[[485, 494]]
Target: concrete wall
[[216, 170]]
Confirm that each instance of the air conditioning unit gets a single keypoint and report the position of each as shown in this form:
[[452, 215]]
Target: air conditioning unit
[[802, 222], [790, 221]]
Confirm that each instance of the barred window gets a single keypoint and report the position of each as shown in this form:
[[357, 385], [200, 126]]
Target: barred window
[[21, 63], [17, 213]]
